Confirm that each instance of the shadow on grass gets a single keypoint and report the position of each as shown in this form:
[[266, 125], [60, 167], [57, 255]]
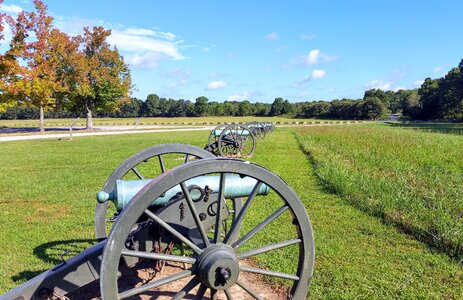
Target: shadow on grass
[[451, 128], [55, 253], [430, 239]]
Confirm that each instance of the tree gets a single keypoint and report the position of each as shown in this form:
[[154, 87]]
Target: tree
[[102, 78], [430, 99], [373, 108], [151, 107], [387, 97], [201, 107], [287, 108], [277, 107], [28, 67], [315, 109], [40, 81], [451, 94], [230, 108], [130, 108], [261, 109], [244, 108], [10, 69]]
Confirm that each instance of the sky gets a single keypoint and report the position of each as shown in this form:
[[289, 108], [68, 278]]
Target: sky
[[259, 50]]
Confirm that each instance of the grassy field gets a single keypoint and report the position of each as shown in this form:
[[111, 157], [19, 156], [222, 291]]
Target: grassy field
[[148, 121], [454, 128], [47, 205], [410, 178]]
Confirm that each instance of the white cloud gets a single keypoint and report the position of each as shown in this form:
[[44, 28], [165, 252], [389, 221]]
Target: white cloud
[[7, 36], [314, 75], [318, 74], [144, 44], [208, 48], [231, 54], [379, 84], [437, 70], [307, 37], [14, 9], [272, 36], [139, 31], [144, 61], [180, 75], [316, 57], [216, 85], [141, 47], [281, 49], [239, 97], [418, 83]]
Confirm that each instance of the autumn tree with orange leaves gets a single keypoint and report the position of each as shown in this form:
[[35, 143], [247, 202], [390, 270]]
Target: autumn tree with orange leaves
[[44, 67], [101, 79]]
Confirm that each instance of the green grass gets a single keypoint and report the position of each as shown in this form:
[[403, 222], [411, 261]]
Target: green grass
[[47, 204], [455, 128], [410, 178]]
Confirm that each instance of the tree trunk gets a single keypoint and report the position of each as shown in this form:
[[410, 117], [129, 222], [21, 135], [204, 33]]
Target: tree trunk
[[89, 119], [42, 122]]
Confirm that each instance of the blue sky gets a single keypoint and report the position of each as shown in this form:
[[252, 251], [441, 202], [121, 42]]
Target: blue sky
[[260, 50]]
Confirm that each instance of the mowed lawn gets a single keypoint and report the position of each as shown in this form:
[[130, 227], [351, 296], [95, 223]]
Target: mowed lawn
[[47, 200]]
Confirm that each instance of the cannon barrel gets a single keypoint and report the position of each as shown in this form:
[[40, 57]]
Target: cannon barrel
[[235, 186], [218, 132]]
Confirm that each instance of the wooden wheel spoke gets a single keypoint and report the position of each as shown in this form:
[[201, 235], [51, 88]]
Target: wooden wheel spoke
[[220, 201], [186, 289], [259, 227], [249, 290], [236, 225], [159, 256], [196, 218], [139, 175], [161, 163], [268, 273], [268, 248], [177, 234]]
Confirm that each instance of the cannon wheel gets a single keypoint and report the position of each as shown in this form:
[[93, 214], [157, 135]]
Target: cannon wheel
[[237, 141], [257, 129], [212, 136], [215, 264], [130, 165]]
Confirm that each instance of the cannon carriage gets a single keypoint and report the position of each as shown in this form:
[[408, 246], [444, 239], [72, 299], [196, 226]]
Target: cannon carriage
[[237, 140], [260, 129], [196, 212], [234, 140]]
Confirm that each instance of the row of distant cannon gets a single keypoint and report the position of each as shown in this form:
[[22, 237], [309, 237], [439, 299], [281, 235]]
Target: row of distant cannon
[[237, 140]]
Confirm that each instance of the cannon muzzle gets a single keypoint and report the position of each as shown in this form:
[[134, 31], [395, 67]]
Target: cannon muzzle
[[235, 187]]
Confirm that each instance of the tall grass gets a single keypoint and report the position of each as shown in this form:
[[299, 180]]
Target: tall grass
[[411, 178]]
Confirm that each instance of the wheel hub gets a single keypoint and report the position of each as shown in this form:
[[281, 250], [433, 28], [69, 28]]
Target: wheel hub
[[218, 267]]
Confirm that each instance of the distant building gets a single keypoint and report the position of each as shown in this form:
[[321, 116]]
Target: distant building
[[394, 117]]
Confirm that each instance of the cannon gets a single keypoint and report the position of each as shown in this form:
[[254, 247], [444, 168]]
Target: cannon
[[260, 129], [234, 140], [206, 219]]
